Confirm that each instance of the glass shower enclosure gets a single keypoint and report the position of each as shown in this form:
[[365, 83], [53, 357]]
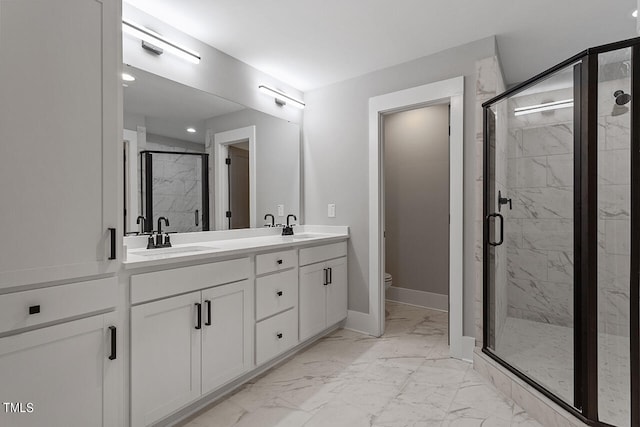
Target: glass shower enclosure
[[562, 233]]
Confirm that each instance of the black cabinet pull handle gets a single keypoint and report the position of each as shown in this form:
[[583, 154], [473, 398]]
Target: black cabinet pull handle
[[330, 275], [34, 309], [279, 335], [208, 322], [496, 215], [112, 329], [197, 217], [198, 315], [279, 262], [279, 293], [326, 276], [112, 231]]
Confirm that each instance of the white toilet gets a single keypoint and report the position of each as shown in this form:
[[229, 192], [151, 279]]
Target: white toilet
[[387, 281]]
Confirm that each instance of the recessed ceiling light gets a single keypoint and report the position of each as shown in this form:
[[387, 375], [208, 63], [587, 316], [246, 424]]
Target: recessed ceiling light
[[191, 130], [635, 13], [127, 77]]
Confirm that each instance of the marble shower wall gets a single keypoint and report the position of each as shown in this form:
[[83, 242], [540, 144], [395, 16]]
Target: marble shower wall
[[500, 253], [539, 230], [177, 188], [489, 82], [614, 209]]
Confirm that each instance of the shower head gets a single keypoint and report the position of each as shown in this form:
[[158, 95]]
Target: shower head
[[621, 97]]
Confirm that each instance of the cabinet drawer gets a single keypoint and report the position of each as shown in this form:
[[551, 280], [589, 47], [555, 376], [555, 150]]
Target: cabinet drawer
[[275, 261], [276, 293], [56, 303], [276, 335], [161, 284], [322, 253]]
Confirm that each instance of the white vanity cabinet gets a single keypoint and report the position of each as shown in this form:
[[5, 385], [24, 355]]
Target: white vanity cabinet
[[323, 288], [188, 345], [59, 133], [276, 304], [68, 373]]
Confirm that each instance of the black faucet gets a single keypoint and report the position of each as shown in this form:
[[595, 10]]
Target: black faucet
[[288, 230], [166, 222], [273, 220], [160, 240], [141, 220]]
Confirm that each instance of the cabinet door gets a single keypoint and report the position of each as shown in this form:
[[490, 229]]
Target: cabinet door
[[62, 374], [59, 92], [165, 357], [337, 292], [227, 333], [312, 300]]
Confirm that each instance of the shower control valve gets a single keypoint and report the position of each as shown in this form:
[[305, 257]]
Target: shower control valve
[[503, 201]]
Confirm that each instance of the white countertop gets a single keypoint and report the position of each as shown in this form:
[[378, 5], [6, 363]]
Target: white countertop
[[215, 244]]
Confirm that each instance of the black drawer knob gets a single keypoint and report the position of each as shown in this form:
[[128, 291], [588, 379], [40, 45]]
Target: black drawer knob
[[279, 293], [34, 309], [279, 335], [279, 262]]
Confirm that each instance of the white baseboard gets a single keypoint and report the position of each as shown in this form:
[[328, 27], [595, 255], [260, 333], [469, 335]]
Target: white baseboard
[[419, 298], [359, 322], [467, 347]]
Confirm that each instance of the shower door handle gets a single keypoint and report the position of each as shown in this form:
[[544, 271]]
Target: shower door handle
[[496, 215]]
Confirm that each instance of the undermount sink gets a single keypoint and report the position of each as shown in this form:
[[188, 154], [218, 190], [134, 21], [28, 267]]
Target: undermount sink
[[303, 236], [171, 251]]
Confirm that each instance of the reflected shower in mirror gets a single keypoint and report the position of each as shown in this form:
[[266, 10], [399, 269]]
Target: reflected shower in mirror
[[173, 131]]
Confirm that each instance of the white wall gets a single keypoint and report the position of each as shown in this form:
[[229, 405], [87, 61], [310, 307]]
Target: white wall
[[217, 73], [335, 151]]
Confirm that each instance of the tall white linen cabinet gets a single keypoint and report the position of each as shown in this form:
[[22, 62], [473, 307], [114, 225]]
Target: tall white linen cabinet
[[60, 124]]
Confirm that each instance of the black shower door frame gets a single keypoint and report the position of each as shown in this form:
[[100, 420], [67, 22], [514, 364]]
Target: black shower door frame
[[585, 71]]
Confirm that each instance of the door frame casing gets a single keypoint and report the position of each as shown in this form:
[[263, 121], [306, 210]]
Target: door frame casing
[[449, 91], [221, 142]]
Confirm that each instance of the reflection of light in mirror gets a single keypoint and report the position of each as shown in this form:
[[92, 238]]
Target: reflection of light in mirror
[[281, 96], [128, 77], [635, 13], [191, 130]]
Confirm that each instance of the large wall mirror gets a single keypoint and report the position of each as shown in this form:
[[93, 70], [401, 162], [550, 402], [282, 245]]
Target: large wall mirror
[[203, 162]]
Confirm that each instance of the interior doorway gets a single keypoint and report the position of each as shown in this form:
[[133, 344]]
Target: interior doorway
[[241, 145], [446, 91], [416, 206], [238, 172]]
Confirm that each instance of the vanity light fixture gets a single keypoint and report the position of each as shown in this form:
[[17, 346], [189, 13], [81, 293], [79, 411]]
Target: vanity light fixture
[[281, 98], [191, 130], [128, 77], [547, 106], [158, 43]]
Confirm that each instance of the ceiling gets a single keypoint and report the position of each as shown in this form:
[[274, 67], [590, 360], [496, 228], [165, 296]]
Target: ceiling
[[309, 44]]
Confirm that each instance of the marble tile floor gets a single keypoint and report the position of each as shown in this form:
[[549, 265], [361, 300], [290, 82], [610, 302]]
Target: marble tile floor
[[545, 353], [404, 378]]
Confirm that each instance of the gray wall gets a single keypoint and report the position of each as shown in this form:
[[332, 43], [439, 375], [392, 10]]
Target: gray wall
[[277, 160], [416, 185], [335, 147]]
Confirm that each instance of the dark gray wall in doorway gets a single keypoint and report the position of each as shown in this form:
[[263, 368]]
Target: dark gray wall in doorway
[[416, 175]]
